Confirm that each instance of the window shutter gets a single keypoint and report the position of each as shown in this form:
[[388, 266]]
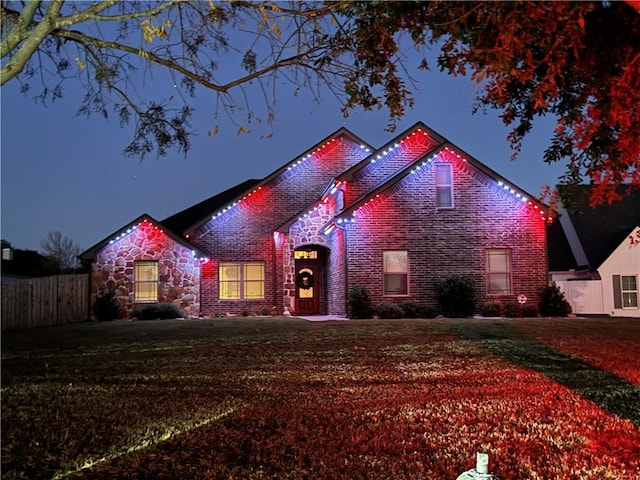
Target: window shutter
[[617, 292]]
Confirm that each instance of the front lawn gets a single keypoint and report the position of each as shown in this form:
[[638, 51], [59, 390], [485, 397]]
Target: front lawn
[[282, 398]]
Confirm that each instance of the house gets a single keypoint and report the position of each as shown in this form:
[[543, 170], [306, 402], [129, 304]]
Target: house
[[395, 219], [594, 254], [18, 264]]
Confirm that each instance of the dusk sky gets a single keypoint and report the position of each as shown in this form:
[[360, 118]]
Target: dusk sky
[[67, 173]]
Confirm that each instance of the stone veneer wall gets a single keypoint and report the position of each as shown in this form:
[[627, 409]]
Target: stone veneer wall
[[179, 272], [308, 230]]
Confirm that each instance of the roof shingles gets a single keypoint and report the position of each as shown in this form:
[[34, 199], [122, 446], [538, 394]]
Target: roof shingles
[[600, 230]]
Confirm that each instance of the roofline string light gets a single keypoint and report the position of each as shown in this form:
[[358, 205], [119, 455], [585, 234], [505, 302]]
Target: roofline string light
[[290, 167], [317, 150], [518, 194], [398, 144], [545, 216], [424, 163], [314, 209], [231, 205], [123, 234], [508, 188], [200, 259], [412, 171], [132, 228], [155, 227]]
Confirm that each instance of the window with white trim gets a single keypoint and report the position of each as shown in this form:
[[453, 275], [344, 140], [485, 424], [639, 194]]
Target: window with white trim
[[395, 264], [629, 287], [145, 277], [241, 280], [498, 268], [444, 185]]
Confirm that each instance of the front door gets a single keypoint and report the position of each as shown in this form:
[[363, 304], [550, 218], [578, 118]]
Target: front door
[[307, 287]]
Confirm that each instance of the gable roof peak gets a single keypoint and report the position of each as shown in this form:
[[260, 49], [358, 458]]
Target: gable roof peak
[[427, 158], [395, 142], [181, 221], [122, 232]]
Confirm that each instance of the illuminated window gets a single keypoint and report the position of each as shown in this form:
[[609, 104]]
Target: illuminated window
[[305, 254], [498, 271], [629, 291], [444, 186], [146, 281], [396, 272], [241, 280]]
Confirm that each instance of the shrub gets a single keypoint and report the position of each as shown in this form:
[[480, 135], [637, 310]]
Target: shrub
[[411, 309], [512, 310], [359, 302], [428, 312], [265, 311], [155, 311], [388, 310], [457, 296], [492, 309], [106, 307], [553, 303], [529, 310], [416, 310]]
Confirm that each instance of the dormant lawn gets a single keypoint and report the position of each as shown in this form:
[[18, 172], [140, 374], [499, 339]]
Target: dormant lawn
[[282, 398]]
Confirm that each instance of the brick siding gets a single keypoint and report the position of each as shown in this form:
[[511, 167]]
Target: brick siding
[[444, 242], [246, 231]]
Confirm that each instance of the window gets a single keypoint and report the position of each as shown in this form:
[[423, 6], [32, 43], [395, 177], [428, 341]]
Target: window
[[629, 291], [396, 272], [498, 271], [299, 254], [146, 281], [444, 186], [241, 280]]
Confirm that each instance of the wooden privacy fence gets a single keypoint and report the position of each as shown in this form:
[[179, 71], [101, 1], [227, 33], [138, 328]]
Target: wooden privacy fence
[[46, 301]]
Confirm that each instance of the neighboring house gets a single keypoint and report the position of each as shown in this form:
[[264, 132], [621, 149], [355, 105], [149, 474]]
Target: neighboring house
[[395, 220], [594, 254], [18, 264]]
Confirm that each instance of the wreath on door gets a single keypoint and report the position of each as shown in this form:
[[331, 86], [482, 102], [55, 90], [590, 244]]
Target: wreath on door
[[305, 280]]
